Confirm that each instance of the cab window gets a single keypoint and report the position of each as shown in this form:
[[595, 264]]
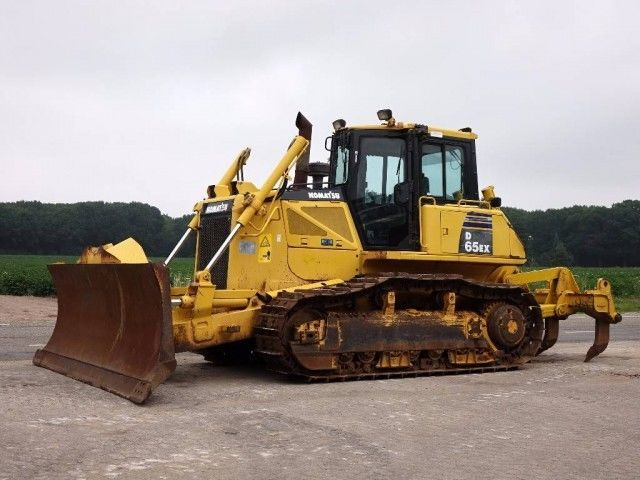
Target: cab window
[[340, 166], [441, 171]]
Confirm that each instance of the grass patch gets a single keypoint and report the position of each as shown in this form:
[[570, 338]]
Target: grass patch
[[28, 274], [625, 281], [628, 304]]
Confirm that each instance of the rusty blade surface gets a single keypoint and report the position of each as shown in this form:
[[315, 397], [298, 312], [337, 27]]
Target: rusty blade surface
[[114, 327]]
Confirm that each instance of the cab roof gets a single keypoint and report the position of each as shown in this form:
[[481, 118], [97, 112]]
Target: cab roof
[[433, 130]]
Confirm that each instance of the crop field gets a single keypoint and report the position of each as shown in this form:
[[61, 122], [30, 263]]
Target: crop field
[[625, 282], [28, 275]]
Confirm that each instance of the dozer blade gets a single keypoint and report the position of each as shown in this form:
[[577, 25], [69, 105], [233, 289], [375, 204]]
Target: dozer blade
[[114, 327]]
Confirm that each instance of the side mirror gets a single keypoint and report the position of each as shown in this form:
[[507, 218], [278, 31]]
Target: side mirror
[[402, 193], [327, 143]]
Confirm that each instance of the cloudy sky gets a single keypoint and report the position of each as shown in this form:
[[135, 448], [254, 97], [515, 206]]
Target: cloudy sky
[[150, 101]]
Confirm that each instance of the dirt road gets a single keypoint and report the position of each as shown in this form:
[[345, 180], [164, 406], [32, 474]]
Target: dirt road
[[555, 418]]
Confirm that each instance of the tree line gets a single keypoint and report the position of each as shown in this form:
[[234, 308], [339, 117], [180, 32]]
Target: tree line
[[67, 228], [583, 236], [579, 235]]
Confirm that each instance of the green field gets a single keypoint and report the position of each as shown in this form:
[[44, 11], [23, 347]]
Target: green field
[[28, 275], [625, 282]]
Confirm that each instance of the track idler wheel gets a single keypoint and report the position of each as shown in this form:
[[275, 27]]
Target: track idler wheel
[[506, 325]]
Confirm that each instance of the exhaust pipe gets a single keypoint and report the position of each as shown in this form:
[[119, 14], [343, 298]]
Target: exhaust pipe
[[302, 166]]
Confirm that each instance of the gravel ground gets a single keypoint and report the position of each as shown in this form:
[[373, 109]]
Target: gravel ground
[[555, 418]]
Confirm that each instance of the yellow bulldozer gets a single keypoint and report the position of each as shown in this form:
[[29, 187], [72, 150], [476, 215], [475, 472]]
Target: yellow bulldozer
[[386, 261]]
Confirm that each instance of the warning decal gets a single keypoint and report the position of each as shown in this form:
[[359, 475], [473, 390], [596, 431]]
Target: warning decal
[[264, 248]]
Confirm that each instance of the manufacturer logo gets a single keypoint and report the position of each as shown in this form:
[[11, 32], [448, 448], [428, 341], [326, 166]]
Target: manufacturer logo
[[216, 208], [324, 195]]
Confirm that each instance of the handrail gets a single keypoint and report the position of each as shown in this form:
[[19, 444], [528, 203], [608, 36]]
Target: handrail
[[480, 203], [426, 197]]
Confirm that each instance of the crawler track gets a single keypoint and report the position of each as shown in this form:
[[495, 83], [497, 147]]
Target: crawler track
[[350, 306]]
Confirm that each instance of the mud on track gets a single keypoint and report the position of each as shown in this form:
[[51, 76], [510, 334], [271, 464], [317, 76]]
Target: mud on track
[[556, 418]]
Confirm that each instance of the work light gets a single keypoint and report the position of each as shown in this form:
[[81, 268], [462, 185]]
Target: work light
[[385, 114], [338, 124]]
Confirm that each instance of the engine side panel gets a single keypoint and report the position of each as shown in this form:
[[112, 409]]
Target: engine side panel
[[469, 232]]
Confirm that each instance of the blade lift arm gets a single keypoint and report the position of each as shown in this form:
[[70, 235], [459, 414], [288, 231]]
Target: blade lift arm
[[222, 188], [252, 204], [296, 149]]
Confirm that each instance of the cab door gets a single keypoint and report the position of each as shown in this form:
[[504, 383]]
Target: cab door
[[380, 171]]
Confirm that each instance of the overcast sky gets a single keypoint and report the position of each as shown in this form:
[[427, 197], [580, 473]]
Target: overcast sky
[[150, 101]]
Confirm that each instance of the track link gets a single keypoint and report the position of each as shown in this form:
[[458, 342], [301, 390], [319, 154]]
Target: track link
[[277, 322]]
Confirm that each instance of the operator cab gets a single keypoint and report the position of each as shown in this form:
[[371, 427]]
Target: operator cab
[[385, 172]]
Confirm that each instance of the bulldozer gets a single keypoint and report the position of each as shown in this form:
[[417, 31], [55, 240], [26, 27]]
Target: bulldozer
[[386, 261]]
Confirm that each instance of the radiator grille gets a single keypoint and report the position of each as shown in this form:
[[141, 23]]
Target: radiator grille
[[214, 229], [298, 225], [333, 217]]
